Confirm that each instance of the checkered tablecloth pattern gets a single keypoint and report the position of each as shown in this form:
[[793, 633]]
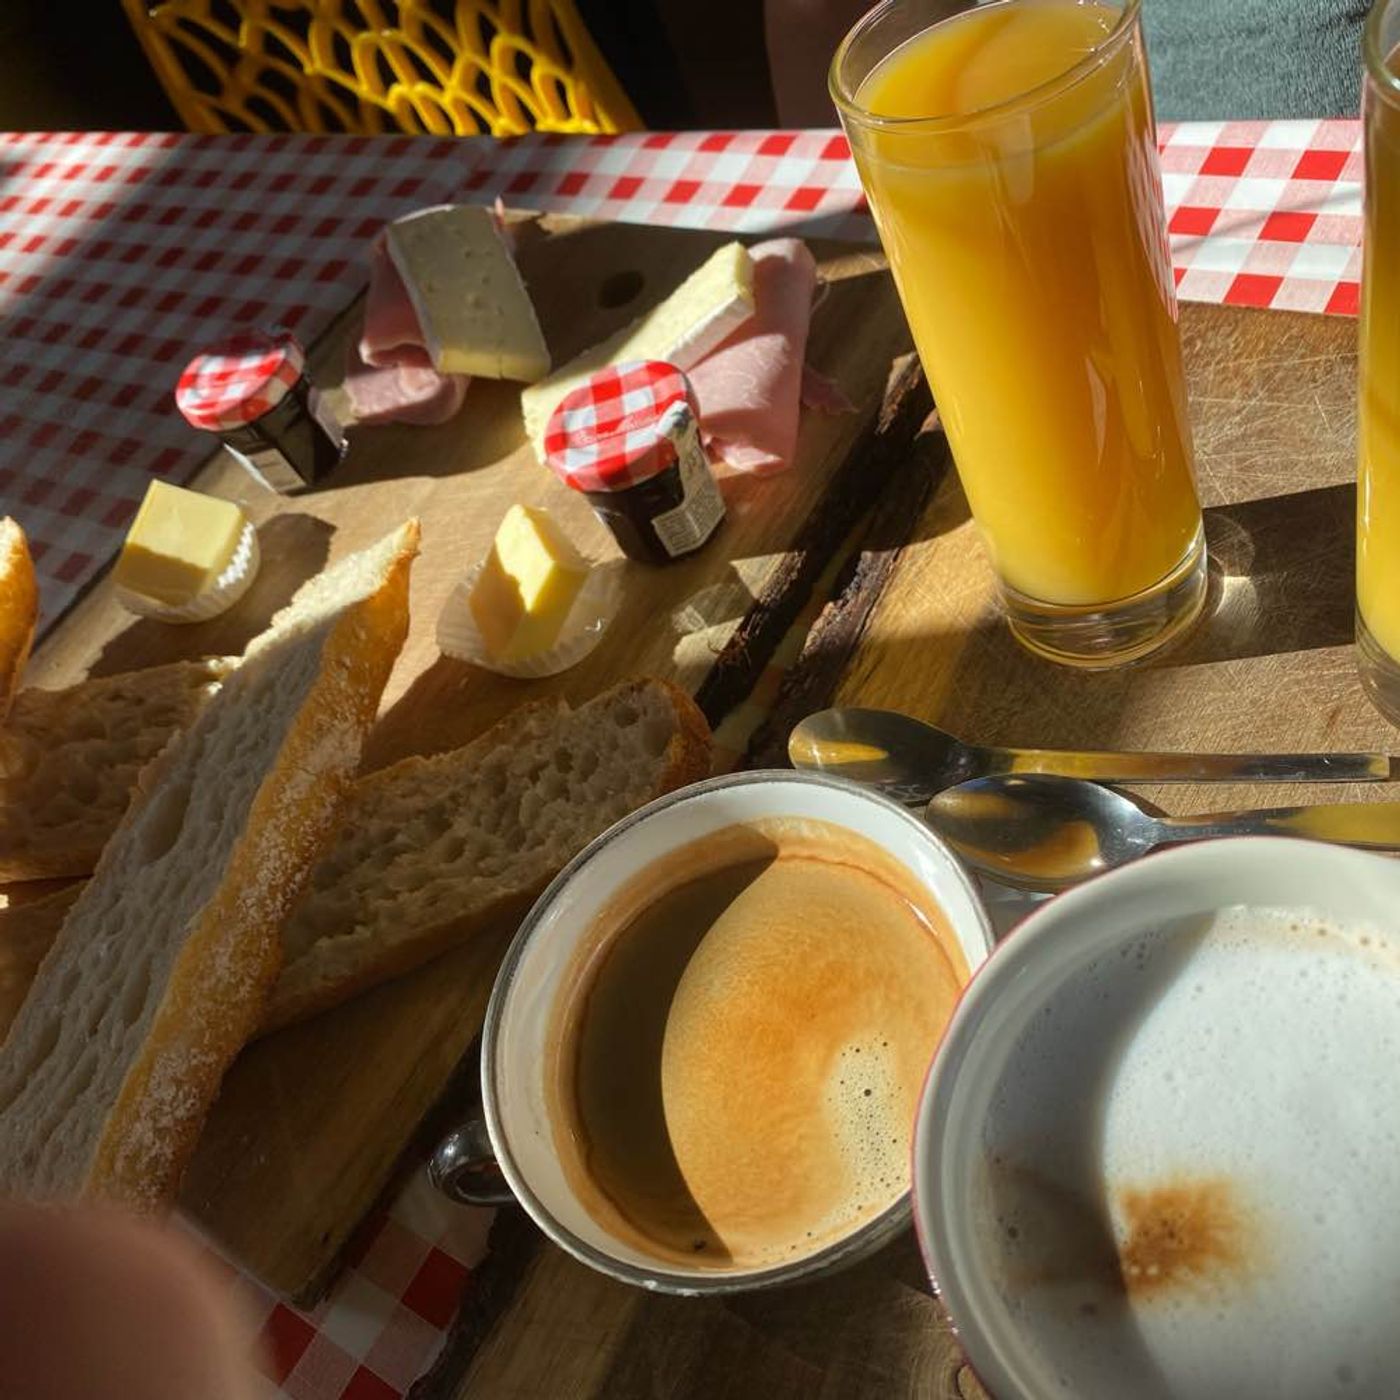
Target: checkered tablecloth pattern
[[741, 181], [1265, 213], [383, 1324], [121, 254]]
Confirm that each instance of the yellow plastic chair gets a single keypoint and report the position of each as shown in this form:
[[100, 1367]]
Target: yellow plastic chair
[[454, 66]]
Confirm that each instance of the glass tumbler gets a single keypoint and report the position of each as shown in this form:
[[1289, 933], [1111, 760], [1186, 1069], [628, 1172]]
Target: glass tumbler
[[1008, 154]]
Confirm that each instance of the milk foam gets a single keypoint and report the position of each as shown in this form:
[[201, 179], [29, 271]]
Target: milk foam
[[1192, 1181]]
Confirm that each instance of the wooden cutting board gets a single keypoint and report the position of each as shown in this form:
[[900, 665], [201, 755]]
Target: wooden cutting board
[[913, 625], [311, 1122]]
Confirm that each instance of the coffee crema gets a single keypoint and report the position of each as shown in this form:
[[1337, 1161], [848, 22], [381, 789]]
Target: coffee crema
[[1191, 1180], [738, 1051]]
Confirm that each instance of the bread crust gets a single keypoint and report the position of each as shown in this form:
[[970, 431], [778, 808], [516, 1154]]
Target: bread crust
[[310, 985], [19, 609], [218, 985], [232, 957]]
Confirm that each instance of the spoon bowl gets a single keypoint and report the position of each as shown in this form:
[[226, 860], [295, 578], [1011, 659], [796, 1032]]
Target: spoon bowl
[[1038, 832], [903, 757]]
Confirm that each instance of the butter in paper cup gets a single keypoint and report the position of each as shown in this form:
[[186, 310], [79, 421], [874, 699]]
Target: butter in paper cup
[[594, 609], [219, 597]]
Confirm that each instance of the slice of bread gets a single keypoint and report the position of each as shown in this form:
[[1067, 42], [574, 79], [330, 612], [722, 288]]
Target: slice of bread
[[27, 932], [639, 740], [19, 608], [433, 849], [162, 968], [69, 761]]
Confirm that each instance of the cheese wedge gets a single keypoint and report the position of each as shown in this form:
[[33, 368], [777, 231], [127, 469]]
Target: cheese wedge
[[527, 585], [704, 311], [472, 306], [179, 544]]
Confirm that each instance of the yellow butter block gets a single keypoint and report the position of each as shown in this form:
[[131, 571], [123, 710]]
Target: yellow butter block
[[179, 544], [527, 585]]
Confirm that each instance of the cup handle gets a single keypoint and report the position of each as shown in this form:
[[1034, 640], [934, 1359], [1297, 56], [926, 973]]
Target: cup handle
[[465, 1169]]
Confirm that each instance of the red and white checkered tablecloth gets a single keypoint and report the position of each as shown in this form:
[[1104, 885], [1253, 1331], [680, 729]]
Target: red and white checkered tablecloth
[[121, 254], [1265, 213], [382, 1325]]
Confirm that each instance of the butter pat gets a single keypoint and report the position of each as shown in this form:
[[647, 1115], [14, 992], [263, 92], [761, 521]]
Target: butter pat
[[703, 312], [527, 585], [471, 303], [179, 545]]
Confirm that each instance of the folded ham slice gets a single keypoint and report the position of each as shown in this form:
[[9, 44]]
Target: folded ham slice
[[402, 393], [390, 335], [390, 377], [750, 389]]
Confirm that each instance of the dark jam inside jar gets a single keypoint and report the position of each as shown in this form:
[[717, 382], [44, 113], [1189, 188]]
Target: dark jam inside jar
[[630, 513], [298, 429]]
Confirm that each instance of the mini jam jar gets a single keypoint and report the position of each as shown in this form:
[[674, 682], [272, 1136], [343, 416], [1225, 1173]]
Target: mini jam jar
[[253, 391], [629, 439]]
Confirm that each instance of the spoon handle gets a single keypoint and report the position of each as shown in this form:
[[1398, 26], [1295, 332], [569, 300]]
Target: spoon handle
[[1105, 767], [1369, 824]]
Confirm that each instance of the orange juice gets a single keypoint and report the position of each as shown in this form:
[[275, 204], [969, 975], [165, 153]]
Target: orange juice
[[1378, 425], [1024, 225]]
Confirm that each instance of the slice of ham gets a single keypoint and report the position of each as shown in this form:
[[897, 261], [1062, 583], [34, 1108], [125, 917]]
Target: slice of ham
[[750, 389], [390, 335], [402, 393], [390, 376]]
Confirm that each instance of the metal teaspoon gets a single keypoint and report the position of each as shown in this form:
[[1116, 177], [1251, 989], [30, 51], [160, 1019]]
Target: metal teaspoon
[[1045, 833], [911, 761]]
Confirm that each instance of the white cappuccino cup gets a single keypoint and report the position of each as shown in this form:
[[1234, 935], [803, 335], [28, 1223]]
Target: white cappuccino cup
[[1158, 1153]]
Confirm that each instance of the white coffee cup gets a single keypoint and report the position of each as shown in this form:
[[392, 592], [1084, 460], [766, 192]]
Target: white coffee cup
[[523, 1006], [1158, 1151]]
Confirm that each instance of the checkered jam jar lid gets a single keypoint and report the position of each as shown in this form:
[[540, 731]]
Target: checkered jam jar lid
[[238, 380], [619, 428]]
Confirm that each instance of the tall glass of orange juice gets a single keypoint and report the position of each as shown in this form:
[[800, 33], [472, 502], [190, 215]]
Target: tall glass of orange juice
[[1378, 416], [1008, 152]]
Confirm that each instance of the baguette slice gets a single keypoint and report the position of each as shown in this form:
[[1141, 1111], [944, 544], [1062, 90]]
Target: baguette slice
[[69, 760], [19, 609], [433, 849], [161, 970]]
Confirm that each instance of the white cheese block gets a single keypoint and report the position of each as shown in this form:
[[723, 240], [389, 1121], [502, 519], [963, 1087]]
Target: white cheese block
[[471, 303], [705, 310]]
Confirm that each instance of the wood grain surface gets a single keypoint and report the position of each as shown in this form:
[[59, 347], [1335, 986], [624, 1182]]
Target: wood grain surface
[[567, 1333], [312, 1121], [914, 625]]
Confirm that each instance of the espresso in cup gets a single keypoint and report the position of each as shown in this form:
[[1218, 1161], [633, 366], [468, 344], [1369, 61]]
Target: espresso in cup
[[736, 1054]]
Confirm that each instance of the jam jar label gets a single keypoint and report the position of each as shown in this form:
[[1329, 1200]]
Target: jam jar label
[[685, 527]]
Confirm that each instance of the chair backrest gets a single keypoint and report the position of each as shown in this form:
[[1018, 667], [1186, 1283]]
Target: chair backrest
[[438, 66]]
